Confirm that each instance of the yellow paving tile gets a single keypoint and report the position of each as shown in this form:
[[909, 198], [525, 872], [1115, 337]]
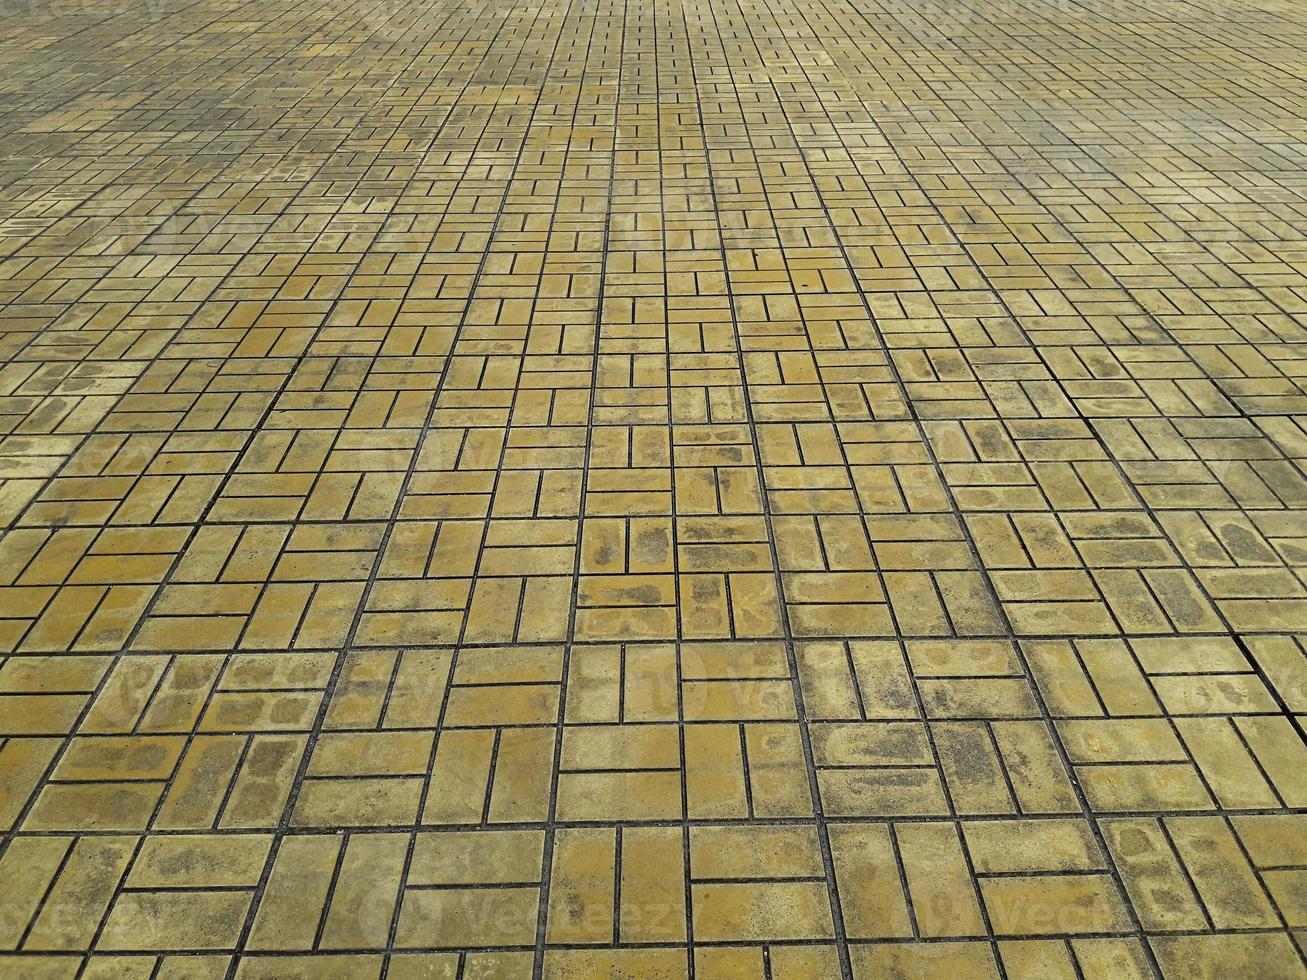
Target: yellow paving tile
[[599, 488]]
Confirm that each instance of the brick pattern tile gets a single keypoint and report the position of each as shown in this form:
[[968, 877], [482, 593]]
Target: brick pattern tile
[[610, 488]]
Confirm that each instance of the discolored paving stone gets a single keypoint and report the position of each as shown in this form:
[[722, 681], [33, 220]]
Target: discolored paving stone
[[595, 488]]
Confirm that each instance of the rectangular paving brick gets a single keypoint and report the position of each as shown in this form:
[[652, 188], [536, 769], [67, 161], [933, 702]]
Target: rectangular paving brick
[[602, 488]]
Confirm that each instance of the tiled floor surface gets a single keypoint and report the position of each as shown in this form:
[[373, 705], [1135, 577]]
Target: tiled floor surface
[[778, 488]]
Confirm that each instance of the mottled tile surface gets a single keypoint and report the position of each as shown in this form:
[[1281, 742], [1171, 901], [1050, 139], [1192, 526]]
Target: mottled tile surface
[[622, 487]]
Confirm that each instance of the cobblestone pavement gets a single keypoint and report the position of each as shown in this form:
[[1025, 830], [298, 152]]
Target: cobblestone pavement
[[629, 487]]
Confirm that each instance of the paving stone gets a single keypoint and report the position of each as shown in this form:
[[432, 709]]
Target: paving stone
[[796, 489]]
